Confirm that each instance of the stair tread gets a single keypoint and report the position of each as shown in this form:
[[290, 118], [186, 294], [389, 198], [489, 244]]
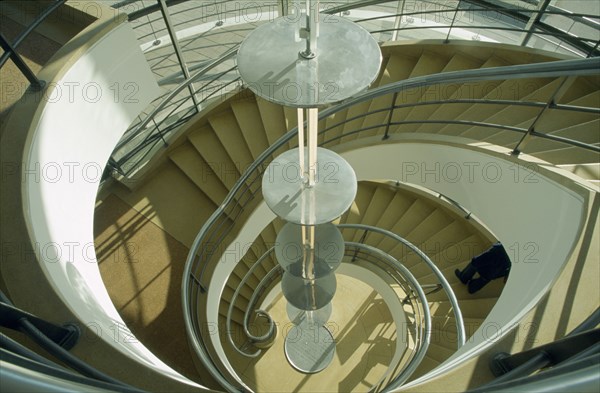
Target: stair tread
[[248, 117], [227, 130], [187, 158], [273, 120], [215, 155]]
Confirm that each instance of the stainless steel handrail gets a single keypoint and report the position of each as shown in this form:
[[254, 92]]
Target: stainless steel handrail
[[184, 85], [481, 6], [234, 298], [425, 340], [396, 265], [460, 325]]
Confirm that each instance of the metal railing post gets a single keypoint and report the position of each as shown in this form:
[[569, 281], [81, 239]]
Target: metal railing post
[[178, 52], [562, 87], [398, 21], [389, 122], [533, 19], [36, 84], [361, 241], [447, 40]]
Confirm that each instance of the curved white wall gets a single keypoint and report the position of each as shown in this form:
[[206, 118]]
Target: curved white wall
[[84, 115], [537, 220]]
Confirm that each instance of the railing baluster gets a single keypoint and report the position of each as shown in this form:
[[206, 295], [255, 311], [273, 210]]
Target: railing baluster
[[36, 84], [533, 19], [391, 115], [361, 241], [178, 52], [447, 40], [560, 90]]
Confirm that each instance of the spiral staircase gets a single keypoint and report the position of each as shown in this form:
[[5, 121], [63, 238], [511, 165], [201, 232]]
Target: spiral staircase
[[200, 168], [199, 181]]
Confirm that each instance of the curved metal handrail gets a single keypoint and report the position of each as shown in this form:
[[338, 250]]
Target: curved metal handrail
[[425, 340], [554, 69], [182, 86], [246, 316], [460, 325], [419, 329], [269, 277]]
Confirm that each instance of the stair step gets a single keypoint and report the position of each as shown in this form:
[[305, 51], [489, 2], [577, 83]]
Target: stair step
[[187, 158], [472, 90], [434, 246], [274, 122], [416, 213], [436, 221], [508, 90], [355, 111], [583, 92], [398, 68], [357, 210], [439, 353], [229, 133], [565, 155], [428, 64], [400, 202], [248, 118], [514, 115], [185, 207], [214, 154], [458, 62], [426, 365], [334, 127], [378, 206], [589, 171], [241, 301]]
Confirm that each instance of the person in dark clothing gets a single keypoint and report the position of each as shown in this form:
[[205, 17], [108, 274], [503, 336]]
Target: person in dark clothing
[[490, 265]]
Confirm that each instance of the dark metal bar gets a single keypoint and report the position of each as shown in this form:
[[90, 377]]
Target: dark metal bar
[[577, 376], [54, 371], [14, 347], [589, 323], [389, 122], [533, 20], [58, 351], [12, 318], [560, 89], [567, 141], [36, 84], [178, 52], [30, 29], [361, 241], [524, 363], [447, 40]]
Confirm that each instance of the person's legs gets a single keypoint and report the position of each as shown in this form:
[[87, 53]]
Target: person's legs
[[467, 273], [476, 284]]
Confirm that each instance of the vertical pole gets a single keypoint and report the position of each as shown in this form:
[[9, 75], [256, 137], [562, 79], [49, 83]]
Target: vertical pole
[[173, 34], [301, 142], [533, 19], [398, 21], [452, 24], [313, 123], [311, 30]]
